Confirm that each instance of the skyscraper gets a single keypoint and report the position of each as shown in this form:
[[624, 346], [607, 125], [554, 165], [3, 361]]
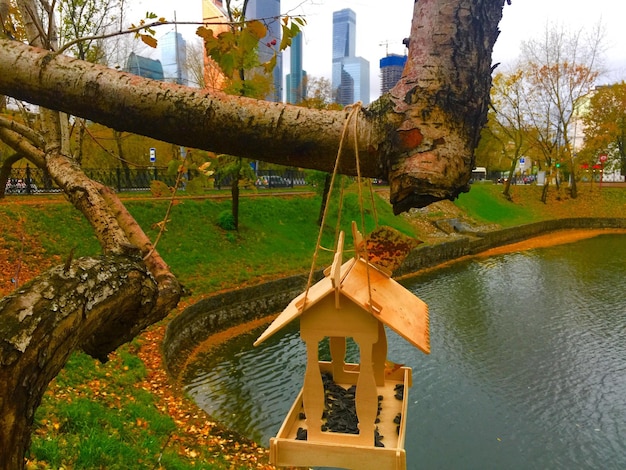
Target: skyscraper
[[344, 33], [351, 75], [174, 57], [296, 79], [268, 11], [391, 68], [143, 66]]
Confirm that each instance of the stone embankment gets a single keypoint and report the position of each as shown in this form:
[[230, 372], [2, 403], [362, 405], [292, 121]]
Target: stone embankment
[[220, 312]]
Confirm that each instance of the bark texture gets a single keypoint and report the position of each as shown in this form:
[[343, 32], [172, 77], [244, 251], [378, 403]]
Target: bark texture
[[273, 132], [443, 98], [86, 303]]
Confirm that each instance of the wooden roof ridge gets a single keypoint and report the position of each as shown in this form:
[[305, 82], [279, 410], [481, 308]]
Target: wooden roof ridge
[[369, 287]]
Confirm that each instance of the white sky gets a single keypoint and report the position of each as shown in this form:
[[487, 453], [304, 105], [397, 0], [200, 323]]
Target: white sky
[[389, 22]]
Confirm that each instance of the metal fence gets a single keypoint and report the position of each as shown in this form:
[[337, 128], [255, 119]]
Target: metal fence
[[35, 180]]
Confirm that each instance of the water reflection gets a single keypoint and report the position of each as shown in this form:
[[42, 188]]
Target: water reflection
[[528, 365]]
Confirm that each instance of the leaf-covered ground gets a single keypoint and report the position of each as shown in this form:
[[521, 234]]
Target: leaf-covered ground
[[126, 413]]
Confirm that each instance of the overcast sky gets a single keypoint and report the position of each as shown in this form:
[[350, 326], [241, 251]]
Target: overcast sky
[[381, 26]]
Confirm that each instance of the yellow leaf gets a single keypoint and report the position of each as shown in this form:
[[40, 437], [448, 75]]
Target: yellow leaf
[[149, 40], [257, 28]]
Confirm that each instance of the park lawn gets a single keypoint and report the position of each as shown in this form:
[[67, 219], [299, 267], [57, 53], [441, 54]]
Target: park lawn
[[127, 413]]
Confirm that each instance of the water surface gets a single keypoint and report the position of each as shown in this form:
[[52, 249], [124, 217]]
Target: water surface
[[527, 369]]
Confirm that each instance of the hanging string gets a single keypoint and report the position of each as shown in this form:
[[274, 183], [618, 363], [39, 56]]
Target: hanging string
[[365, 250], [339, 210], [351, 118], [355, 108]]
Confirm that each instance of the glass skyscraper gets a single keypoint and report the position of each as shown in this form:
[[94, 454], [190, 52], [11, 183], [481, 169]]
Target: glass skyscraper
[[269, 12], [296, 79], [351, 74], [344, 33], [174, 57]]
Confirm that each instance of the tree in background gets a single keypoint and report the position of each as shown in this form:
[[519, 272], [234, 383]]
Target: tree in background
[[195, 65], [561, 69], [509, 124], [319, 95], [236, 53], [81, 25], [604, 121]]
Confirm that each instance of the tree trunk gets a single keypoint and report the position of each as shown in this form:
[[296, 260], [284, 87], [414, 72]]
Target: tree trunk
[[507, 183], [443, 97], [573, 186], [325, 192], [234, 193], [97, 305], [544, 191], [66, 308]]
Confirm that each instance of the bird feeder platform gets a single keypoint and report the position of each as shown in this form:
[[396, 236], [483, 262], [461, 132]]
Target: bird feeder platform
[[334, 449]]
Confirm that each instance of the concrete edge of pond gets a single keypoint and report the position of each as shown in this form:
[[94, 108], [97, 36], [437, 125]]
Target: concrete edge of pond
[[217, 313]]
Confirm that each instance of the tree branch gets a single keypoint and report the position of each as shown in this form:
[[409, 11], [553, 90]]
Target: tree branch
[[33, 136]]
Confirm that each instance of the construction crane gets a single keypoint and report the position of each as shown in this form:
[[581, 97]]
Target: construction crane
[[386, 44]]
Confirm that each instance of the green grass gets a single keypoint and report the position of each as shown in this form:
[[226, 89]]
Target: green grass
[[275, 236], [99, 418], [485, 203]]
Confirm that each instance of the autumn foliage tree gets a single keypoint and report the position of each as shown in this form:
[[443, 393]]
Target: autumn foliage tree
[[561, 68], [420, 136], [604, 121], [235, 51], [509, 124]]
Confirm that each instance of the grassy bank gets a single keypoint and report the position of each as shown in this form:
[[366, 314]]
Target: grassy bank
[[125, 414]]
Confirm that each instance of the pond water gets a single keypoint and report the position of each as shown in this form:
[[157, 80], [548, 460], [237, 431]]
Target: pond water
[[527, 369]]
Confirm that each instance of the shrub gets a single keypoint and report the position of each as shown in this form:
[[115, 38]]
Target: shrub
[[159, 188], [226, 220]]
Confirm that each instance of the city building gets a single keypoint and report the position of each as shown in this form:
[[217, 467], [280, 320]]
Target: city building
[[144, 67], [351, 74], [214, 17], [268, 11], [344, 33], [296, 79], [391, 68], [357, 71], [173, 49]]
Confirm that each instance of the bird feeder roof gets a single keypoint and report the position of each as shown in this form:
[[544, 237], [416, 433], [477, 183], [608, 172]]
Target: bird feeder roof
[[371, 289]]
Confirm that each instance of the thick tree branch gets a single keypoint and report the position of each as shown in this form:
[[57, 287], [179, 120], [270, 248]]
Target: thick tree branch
[[33, 136], [43, 322], [421, 137], [23, 146], [443, 96], [272, 132]]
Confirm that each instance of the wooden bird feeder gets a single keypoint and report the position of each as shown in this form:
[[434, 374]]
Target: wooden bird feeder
[[354, 300]]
